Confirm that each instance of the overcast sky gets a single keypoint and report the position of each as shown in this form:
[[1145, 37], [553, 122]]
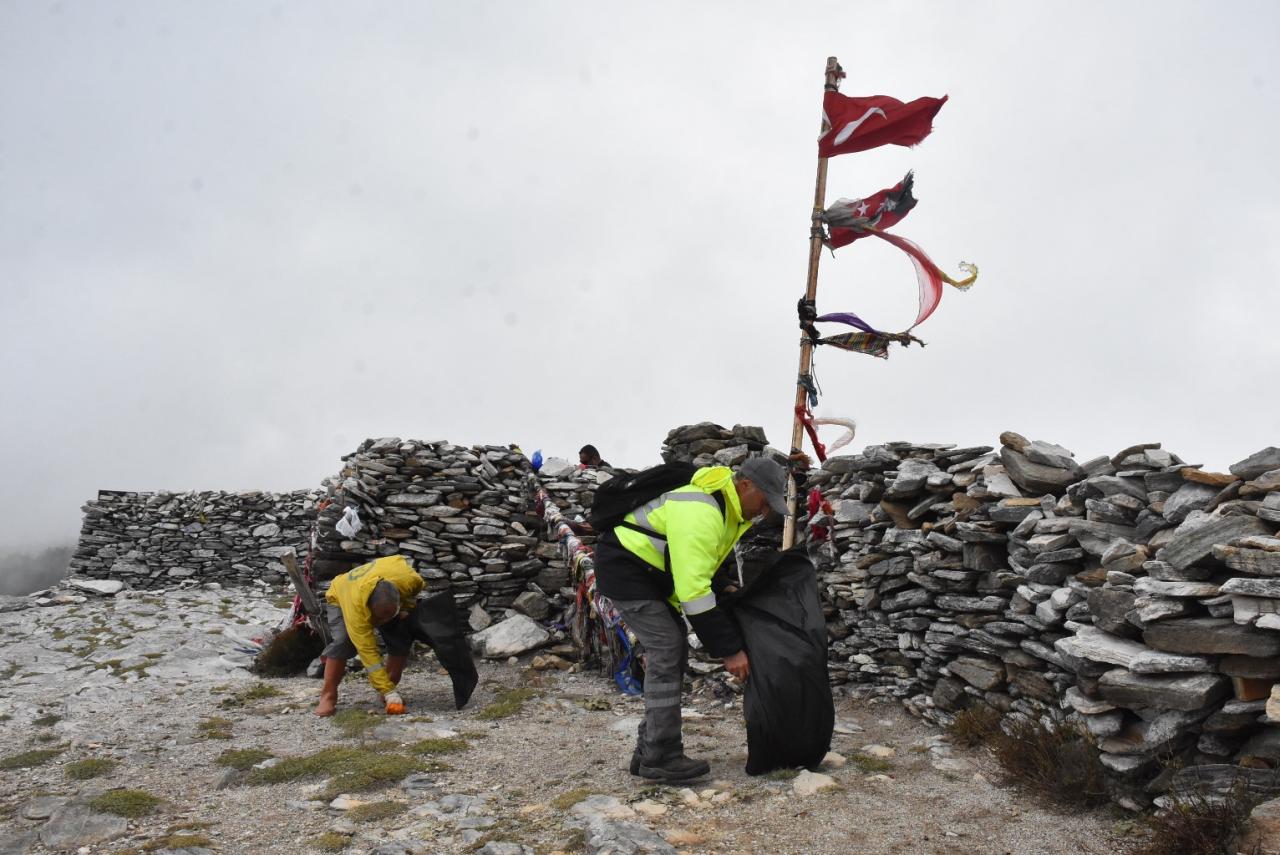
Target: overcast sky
[[238, 238]]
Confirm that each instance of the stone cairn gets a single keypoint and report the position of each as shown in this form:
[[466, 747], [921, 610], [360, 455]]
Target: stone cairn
[[460, 515], [708, 444], [1136, 595], [152, 540]]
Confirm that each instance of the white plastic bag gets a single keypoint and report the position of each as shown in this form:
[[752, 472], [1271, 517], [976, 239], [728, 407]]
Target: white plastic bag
[[350, 523]]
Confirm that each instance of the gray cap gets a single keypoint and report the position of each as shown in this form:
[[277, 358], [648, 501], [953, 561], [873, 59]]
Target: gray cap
[[771, 478]]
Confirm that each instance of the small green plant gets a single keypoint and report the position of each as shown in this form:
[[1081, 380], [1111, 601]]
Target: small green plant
[[599, 704], [331, 841], [442, 745], [29, 759], [349, 770], [356, 722], [1197, 823], [974, 726], [564, 801], [258, 692], [870, 765], [509, 702], [47, 720], [177, 841], [214, 727], [243, 758], [1059, 763], [127, 803], [784, 774], [94, 767], [375, 811]]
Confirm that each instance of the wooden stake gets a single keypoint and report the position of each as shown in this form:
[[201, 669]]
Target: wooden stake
[[832, 82]]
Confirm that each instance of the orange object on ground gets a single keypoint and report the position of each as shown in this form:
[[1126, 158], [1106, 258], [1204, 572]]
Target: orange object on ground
[[395, 709]]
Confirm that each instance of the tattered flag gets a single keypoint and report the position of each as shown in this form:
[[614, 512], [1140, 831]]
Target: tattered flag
[[849, 219], [857, 124]]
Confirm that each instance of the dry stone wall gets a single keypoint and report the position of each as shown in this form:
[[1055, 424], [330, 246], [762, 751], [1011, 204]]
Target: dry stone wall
[[151, 540], [1135, 595]]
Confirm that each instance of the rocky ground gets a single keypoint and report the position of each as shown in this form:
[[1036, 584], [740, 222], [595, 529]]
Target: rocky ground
[[140, 704]]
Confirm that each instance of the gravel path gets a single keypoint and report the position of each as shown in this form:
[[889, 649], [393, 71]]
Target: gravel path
[[568, 740]]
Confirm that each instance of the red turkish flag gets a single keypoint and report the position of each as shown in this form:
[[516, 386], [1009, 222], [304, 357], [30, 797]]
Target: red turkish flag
[[849, 218], [857, 124]]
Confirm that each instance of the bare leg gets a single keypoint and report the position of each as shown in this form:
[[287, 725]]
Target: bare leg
[[333, 671]]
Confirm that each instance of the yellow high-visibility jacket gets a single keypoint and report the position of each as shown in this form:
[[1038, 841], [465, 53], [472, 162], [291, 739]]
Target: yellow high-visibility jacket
[[698, 538], [350, 592]]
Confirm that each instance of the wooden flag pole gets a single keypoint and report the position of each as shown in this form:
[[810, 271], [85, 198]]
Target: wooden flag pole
[[834, 73]]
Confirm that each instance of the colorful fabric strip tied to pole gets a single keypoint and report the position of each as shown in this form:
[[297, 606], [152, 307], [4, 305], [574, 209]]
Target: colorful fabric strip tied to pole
[[581, 561], [852, 219]]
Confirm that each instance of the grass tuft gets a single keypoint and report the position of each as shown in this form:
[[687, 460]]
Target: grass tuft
[[564, 801], [243, 758], [870, 765], [331, 841], [443, 745], [350, 770], [974, 726], [356, 722], [94, 767], [375, 811], [127, 803], [1059, 764], [258, 692], [214, 727], [509, 702], [29, 759], [178, 841], [47, 720], [783, 774]]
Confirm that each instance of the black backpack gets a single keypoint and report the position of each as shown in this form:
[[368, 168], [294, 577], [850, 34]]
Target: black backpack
[[622, 494]]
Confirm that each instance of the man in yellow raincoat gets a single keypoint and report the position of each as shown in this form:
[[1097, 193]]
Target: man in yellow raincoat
[[381, 596], [658, 564]]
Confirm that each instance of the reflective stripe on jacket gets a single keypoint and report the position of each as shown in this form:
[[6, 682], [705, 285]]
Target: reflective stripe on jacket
[[698, 538], [350, 592]]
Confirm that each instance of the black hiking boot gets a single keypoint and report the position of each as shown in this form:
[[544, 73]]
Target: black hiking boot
[[677, 768]]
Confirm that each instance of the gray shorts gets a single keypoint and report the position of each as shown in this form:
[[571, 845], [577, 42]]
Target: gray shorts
[[395, 634]]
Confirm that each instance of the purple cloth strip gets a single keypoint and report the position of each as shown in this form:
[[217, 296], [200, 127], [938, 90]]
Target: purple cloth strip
[[850, 319]]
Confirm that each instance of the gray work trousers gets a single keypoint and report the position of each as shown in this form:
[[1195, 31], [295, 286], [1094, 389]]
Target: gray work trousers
[[662, 632]]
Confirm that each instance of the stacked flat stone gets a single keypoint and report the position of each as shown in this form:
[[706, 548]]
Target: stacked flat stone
[[709, 444], [921, 590], [459, 514], [151, 540], [1135, 594]]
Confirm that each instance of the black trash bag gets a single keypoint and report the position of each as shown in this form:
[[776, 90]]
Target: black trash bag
[[435, 622], [788, 705]]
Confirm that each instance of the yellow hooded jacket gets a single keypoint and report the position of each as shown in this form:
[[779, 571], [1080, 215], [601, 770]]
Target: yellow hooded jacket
[[350, 592]]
